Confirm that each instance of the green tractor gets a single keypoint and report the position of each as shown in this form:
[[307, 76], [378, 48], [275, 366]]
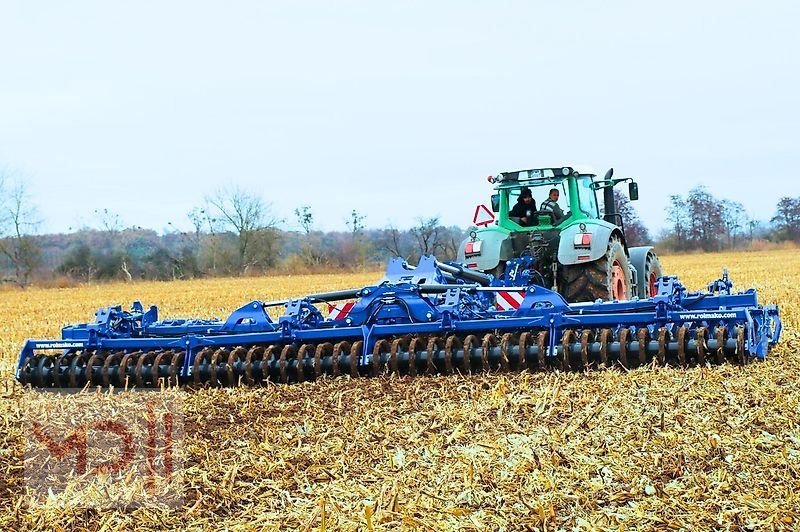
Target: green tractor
[[570, 248]]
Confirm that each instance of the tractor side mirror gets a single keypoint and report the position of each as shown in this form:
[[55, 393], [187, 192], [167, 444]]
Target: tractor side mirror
[[495, 202], [633, 191]]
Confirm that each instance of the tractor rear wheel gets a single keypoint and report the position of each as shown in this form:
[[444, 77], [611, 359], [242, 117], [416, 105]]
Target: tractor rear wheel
[[607, 278]]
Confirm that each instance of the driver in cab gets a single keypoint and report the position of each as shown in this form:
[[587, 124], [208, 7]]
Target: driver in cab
[[525, 208]]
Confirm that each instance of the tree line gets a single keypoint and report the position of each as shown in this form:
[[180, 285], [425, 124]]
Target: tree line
[[236, 233], [233, 233], [702, 221]]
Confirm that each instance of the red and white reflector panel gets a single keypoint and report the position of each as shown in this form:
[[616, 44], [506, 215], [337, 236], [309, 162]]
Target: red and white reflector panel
[[583, 240], [472, 248], [340, 311], [509, 300]]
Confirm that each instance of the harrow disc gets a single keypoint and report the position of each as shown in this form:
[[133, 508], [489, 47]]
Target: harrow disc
[[576, 350]]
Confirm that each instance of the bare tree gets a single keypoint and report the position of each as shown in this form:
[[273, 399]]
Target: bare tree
[[17, 225], [210, 242], [427, 234], [391, 241], [734, 219], [787, 218], [697, 220], [252, 222], [109, 221], [450, 242], [356, 223], [358, 247], [197, 217], [312, 251], [705, 219], [305, 218], [636, 233], [679, 216], [426, 238]]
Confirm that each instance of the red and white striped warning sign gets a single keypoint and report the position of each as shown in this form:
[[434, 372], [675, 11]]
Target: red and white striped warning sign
[[340, 310], [483, 216], [509, 300]]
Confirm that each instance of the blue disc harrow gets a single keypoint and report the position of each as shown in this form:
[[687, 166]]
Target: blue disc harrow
[[436, 318]]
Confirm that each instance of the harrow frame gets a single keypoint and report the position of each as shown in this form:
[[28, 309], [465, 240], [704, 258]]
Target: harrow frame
[[442, 305]]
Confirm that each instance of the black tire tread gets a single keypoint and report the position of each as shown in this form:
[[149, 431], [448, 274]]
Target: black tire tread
[[591, 281]]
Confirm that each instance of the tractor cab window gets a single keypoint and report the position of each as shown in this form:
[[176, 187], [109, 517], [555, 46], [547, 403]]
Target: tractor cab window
[[540, 190], [586, 197], [542, 194], [513, 195]]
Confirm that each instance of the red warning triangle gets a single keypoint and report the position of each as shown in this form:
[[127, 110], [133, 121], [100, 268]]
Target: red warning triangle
[[483, 216]]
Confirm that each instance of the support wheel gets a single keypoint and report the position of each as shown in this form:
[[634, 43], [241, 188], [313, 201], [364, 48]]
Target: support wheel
[[607, 278]]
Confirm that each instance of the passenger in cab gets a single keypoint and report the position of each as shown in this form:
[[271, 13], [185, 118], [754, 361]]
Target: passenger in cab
[[551, 205]]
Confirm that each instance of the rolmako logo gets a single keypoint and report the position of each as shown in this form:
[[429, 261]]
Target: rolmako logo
[[57, 345], [709, 316]]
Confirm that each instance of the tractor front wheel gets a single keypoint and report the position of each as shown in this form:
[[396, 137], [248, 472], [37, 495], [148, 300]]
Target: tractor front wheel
[[607, 278], [648, 270], [652, 271]]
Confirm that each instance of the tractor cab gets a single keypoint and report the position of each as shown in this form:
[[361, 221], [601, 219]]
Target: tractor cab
[[576, 198], [573, 248]]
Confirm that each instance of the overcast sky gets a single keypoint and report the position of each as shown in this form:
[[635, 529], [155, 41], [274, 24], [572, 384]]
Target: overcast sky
[[397, 109]]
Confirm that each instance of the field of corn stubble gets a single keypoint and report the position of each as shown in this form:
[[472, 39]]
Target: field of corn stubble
[[653, 448]]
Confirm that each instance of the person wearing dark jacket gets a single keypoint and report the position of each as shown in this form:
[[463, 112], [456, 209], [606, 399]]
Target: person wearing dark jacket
[[525, 208]]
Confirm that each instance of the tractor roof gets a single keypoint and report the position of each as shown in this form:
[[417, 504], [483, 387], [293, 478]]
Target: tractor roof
[[537, 176]]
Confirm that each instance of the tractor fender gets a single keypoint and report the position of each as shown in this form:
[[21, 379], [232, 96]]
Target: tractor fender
[[495, 245], [601, 232]]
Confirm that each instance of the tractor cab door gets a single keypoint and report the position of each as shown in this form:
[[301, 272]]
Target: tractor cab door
[[587, 198]]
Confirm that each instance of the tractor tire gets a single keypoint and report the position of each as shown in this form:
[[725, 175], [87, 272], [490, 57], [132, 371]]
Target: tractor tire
[[607, 278], [652, 271]]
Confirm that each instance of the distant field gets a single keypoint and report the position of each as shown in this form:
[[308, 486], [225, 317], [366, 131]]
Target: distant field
[[692, 448]]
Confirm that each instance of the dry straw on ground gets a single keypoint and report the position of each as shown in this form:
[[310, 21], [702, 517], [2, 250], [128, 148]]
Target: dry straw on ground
[[653, 448]]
